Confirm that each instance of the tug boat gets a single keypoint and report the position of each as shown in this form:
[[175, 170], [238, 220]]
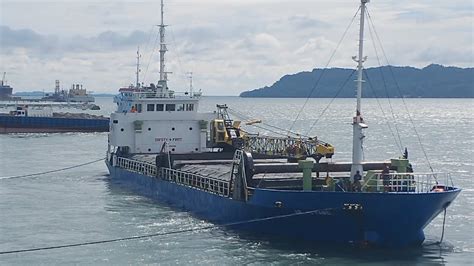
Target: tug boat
[[162, 147]]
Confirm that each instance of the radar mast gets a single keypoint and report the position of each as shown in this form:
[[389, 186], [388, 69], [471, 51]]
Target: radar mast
[[163, 74], [358, 122]]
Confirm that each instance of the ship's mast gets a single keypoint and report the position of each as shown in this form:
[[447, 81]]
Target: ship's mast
[[190, 76], [358, 122], [138, 68], [163, 75]]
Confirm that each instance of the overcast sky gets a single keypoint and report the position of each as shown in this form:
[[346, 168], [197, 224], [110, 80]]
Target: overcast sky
[[230, 46]]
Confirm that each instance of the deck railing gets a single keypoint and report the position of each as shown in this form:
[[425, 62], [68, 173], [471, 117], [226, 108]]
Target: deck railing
[[406, 182], [213, 185], [169, 94], [137, 166]]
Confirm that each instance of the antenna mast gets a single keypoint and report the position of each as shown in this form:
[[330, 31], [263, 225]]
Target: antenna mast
[[357, 122], [138, 68], [163, 76], [190, 76]]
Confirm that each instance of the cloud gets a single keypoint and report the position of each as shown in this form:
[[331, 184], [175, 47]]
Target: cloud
[[416, 15], [257, 42], [26, 38], [303, 21], [315, 44], [448, 55], [230, 46], [54, 46]]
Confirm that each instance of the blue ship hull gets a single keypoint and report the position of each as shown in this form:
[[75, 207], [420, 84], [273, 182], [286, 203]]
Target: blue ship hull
[[19, 124], [387, 219]]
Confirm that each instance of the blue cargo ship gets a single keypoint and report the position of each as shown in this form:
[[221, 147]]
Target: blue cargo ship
[[43, 120], [160, 146]]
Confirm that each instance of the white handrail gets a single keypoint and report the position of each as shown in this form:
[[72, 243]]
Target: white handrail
[[405, 182], [213, 185]]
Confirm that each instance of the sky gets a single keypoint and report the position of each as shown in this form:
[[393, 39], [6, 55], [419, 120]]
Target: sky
[[230, 46]]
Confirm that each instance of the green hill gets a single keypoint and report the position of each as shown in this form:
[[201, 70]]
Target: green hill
[[433, 81]]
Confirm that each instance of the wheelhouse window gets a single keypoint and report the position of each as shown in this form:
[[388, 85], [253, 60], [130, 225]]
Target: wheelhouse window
[[190, 107], [150, 107], [138, 107], [160, 107], [171, 107], [180, 107]]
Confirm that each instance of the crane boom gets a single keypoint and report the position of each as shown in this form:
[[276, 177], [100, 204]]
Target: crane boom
[[227, 134]]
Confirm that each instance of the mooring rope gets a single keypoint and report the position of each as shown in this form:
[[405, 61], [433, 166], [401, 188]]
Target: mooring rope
[[444, 223], [52, 171], [437, 243], [163, 233]]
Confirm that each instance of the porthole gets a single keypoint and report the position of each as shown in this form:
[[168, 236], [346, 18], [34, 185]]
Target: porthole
[[172, 128], [149, 129], [172, 149], [196, 149], [121, 129], [190, 128], [149, 149]]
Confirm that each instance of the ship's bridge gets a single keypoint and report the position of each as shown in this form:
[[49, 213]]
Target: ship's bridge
[[136, 100], [146, 121]]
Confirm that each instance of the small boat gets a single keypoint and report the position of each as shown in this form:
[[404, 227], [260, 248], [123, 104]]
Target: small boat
[[162, 147]]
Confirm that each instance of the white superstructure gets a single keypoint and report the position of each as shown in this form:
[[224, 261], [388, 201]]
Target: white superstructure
[[78, 94], [156, 119], [159, 122], [33, 111]]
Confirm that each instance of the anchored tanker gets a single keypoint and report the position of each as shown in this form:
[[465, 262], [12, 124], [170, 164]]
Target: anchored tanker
[[161, 146]]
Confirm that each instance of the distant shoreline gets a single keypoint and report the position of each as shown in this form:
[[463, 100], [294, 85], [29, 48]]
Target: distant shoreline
[[27, 94], [432, 81], [366, 97], [41, 94]]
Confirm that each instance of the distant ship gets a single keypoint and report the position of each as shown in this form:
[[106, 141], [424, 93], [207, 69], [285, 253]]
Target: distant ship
[[162, 147], [5, 90], [75, 94], [42, 119]]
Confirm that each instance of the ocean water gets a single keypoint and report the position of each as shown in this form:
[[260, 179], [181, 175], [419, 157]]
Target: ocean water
[[81, 204]]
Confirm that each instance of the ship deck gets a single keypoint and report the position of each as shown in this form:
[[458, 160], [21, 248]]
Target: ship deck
[[221, 169], [277, 173]]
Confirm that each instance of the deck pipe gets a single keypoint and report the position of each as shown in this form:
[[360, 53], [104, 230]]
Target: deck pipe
[[317, 167]]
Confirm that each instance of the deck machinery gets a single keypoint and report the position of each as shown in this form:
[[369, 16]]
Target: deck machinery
[[228, 135]]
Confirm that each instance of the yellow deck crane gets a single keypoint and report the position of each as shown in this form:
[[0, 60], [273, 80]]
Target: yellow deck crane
[[228, 135]]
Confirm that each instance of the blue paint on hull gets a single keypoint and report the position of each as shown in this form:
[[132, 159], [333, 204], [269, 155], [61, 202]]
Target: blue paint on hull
[[387, 219], [9, 124]]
